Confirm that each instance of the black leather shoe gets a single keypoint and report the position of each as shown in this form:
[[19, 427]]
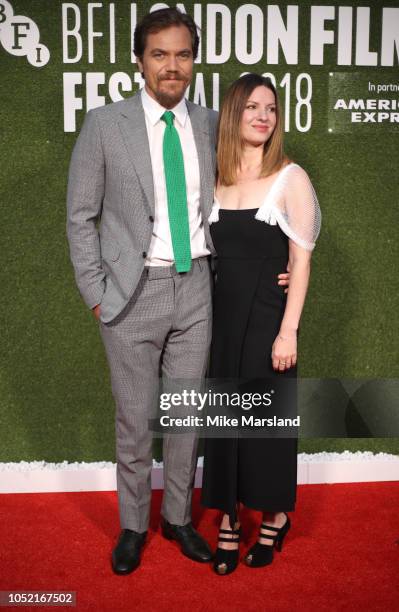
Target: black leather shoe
[[191, 543], [126, 554]]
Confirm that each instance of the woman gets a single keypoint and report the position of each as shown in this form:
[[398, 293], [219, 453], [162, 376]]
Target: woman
[[265, 217]]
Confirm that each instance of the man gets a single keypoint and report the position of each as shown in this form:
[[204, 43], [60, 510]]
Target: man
[[143, 170]]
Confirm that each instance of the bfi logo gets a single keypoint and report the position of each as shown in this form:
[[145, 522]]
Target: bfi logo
[[20, 36]]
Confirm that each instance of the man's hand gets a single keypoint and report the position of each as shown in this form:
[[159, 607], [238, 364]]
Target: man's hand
[[284, 279], [96, 311]]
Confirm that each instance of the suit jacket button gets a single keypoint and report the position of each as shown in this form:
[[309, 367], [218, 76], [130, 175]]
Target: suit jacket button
[[144, 255], [151, 218]]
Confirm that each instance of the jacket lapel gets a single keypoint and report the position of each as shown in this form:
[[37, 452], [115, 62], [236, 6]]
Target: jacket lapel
[[205, 157], [134, 133]]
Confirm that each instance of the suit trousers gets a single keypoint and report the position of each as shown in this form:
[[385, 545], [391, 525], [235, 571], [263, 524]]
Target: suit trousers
[[164, 331]]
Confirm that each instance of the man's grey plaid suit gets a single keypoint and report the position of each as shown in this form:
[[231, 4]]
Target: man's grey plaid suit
[[153, 320]]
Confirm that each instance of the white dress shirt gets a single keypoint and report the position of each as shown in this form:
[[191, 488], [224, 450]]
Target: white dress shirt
[[160, 252]]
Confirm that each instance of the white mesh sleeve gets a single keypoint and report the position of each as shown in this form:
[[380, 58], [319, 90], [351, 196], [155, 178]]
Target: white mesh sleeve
[[300, 215]]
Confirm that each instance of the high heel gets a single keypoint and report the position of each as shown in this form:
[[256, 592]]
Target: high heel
[[260, 555], [226, 561]]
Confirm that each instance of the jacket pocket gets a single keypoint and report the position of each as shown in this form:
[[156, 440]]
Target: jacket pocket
[[110, 251]]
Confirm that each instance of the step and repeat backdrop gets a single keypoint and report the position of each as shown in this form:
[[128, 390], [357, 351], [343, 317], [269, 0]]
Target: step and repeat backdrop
[[335, 65]]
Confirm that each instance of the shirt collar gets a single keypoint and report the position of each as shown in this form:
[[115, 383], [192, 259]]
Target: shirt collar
[[154, 110]]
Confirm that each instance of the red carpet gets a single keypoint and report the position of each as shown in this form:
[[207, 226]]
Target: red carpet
[[342, 552]]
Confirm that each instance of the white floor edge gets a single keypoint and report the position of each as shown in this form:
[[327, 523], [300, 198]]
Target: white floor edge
[[317, 468]]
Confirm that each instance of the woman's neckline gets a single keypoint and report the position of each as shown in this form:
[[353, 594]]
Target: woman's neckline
[[269, 191], [238, 209]]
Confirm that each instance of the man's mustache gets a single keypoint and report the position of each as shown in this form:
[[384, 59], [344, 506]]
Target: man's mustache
[[175, 76]]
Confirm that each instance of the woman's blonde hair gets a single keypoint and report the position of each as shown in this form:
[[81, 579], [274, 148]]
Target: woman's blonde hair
[[230, 143]]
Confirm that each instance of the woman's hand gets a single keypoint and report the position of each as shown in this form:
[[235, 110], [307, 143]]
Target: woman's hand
[[284, 351]]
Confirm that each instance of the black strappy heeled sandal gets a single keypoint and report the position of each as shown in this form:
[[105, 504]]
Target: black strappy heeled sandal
[[226, 561], [260, 555]]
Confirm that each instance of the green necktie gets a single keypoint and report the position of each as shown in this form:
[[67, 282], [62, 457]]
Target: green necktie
[[176, 194]]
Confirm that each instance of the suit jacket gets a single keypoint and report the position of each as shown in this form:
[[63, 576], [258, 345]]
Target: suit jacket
[[111, 199]]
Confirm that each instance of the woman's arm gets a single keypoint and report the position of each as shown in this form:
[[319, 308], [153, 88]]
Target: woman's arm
[[300, 220], [284, 350]]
